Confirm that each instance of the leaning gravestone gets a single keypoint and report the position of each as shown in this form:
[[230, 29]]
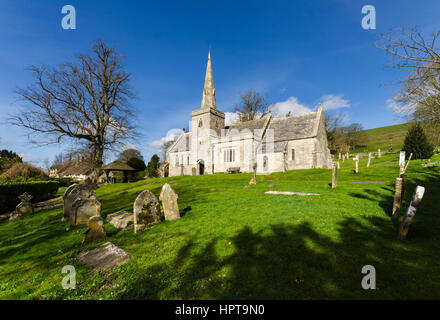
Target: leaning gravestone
[[146, 210], [24, 208], [67, 201], [121, 220], [169, 202], [81, 203], [95, 230], [105, 257]]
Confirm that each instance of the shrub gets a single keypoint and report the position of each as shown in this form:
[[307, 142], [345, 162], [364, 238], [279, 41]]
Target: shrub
[[417, 143], [40, 190], [21, 172], [8, 158]]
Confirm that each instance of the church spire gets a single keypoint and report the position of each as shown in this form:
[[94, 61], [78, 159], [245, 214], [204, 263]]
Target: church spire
[[208, 99]]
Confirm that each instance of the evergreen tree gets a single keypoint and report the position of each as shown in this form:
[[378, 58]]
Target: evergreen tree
[[417, 143], [137, 164], [153, 166]]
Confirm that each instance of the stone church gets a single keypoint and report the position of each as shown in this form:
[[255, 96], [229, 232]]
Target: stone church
[[275, 144]]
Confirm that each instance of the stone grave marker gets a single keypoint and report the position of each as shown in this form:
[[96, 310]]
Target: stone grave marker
[[95, 230], [121, 220], [146, 210], [169, 202], [105, 257]]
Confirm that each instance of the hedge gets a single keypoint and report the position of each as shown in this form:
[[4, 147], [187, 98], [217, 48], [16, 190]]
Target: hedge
[[64, 181], [40, 190]]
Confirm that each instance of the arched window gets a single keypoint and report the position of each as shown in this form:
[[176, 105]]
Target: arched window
[[187, 160], [200, 123], [177, 160], [292, 154], [265, 164]]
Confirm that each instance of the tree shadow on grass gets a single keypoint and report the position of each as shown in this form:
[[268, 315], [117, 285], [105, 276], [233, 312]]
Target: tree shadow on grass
[[294, 262], [297, 261]]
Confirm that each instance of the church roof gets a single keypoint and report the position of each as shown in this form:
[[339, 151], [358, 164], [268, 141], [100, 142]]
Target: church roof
[[294, 127], [250, 125], [183, 143]]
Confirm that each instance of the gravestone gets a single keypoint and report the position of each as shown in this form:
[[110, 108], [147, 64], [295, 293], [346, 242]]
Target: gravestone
[[401, 161], [334, 174], [146, 210], [369, 159], [290, 193], [254, 177], [169, 202], [67, 201], [105, 257], [411, 212], [95, 230], [81, 203], [24, 208], [121, 220]]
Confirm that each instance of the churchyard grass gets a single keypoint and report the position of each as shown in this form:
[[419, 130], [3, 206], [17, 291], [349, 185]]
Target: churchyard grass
[[372, 139], [238, 243]]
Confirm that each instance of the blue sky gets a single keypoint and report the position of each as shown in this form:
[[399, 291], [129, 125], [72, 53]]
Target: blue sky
[[297, 53]]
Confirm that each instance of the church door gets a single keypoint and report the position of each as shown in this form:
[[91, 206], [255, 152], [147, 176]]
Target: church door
[[201, 165]]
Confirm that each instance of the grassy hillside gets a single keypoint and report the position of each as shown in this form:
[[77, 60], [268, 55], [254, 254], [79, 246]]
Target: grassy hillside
[[239, 243], [380, 138]]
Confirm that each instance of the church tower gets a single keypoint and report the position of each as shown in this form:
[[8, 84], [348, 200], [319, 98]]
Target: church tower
[[206, 122], [208, 117]]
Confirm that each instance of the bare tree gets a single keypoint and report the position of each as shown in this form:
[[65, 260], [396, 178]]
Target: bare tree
[[419, 98], [86, 100], [166, 145], [333, 126], [252, 106], [340, 137]]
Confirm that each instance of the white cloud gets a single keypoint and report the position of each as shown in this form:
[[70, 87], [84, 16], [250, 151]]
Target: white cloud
[[331, 102], [231, 117], [292, 105], [399, 108], [171, 135]]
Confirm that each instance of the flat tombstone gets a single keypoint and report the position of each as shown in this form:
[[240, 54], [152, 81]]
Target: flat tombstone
[[169, 202], [105, 257], [146, 210], [121, 220]]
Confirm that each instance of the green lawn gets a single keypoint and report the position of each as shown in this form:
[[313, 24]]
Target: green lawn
[[239, 243], [372, 139]]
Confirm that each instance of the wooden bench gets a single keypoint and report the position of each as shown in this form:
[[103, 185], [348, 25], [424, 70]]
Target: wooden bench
[[233, 170]]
